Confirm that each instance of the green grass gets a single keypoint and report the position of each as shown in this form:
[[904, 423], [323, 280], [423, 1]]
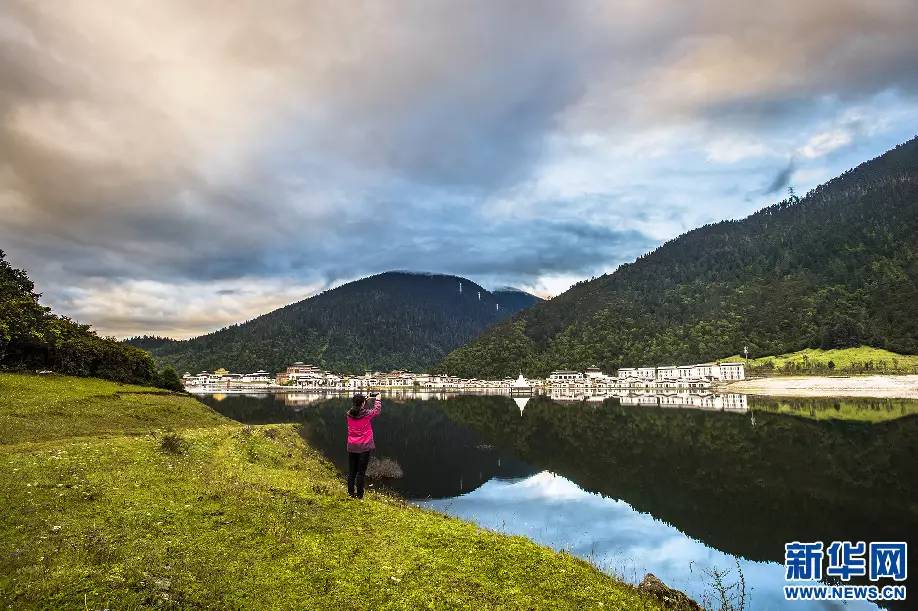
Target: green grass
[[101, 512], [851, 409], [860, 360], [37, 408]]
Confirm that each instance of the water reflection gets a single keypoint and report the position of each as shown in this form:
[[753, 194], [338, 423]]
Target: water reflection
[[612, 535], [696, 400], [644, 482]]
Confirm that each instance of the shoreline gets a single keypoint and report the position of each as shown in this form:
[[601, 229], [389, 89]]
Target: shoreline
[[257, 503], [876, 386]]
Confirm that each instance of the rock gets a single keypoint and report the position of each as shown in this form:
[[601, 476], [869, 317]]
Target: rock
[[671, 599]]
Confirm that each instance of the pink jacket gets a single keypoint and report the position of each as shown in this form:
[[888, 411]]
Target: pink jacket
[[360, 429]]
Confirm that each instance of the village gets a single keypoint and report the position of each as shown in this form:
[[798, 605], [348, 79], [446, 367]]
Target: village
[[305, 377]]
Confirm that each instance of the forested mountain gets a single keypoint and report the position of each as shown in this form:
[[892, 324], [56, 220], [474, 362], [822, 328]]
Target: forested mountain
[[395, 320], [836, 268], [32, 338]]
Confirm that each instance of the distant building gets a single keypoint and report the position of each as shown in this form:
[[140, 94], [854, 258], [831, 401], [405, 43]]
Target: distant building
[[259, 377], [732, 371], [300, 372], [670, 372], [565, 377]]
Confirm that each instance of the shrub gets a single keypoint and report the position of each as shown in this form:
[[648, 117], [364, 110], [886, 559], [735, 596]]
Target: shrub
[[172, 443]]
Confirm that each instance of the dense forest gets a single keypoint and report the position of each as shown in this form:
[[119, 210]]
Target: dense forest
[[395, 320], [33, 338], [836, 268]]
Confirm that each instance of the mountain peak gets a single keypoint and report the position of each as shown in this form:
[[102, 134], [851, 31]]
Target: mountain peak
[[392, 320]]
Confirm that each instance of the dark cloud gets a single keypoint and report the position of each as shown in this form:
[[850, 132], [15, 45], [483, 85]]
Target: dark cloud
[[781, 179]]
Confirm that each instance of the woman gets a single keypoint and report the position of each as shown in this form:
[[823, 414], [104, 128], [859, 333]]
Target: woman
[[360, 441]]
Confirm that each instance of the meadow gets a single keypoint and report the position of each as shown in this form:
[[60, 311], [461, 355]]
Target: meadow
[[122, 496]]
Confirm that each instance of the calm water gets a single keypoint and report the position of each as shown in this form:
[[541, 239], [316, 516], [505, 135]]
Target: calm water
[[634, 487]]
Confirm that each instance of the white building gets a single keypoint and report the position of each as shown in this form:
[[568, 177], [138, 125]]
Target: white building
[[565, 377], [709, 371], [258, 377], [670, 372], [732, 371]]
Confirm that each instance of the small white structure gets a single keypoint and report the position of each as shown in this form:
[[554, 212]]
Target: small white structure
[[520, 386]]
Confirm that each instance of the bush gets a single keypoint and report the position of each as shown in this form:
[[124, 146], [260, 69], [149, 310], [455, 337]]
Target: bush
[[168, 379], [384, 468], [172, 443]]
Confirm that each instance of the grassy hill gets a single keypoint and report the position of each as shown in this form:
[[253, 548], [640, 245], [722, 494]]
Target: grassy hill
[[837, 268], [861, 359], [123, 497], [395, 320]]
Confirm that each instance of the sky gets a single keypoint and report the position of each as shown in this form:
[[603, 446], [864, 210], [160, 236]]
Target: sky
[[172, 167]]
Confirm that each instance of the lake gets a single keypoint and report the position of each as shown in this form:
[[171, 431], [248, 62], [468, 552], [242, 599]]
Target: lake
[[635, 485]]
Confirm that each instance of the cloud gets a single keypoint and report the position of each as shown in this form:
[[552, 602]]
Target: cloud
[[190, 145], [825, 142], [781, 180], [141, 307]]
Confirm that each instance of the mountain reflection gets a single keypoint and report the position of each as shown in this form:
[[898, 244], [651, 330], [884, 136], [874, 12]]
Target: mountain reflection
[[739, 483]]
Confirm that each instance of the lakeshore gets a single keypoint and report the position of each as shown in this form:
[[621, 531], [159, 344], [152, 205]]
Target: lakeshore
[[879, 386], [123, 496]]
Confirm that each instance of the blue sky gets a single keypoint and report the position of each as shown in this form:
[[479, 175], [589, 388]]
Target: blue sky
[[171, 168]]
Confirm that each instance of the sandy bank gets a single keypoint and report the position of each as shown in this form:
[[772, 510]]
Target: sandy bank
[[884, 386]]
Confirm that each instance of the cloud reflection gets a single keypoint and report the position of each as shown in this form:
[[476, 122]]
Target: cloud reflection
[[554, 511]]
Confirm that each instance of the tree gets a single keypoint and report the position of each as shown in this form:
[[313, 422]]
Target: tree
[[169, 379], [31, 337]]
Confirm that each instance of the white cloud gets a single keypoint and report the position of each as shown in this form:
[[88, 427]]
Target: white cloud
[[126, 308], [825, 142], [730, 150]]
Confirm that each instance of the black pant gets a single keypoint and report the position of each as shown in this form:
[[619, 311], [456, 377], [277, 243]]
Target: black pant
[[357, 469]]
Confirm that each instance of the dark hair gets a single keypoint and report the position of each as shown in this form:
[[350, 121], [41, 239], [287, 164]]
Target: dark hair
[[358, 400]]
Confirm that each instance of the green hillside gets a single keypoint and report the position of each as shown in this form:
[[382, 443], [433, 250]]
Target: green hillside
[[104, 509], [837, 268], [861, 359], [395, 320]]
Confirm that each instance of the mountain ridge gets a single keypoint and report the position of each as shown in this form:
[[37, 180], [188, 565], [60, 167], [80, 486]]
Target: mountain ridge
[[835, 268], [390, 320]]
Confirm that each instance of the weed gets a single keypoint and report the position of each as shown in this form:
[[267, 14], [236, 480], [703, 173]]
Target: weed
[[173, 443]]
